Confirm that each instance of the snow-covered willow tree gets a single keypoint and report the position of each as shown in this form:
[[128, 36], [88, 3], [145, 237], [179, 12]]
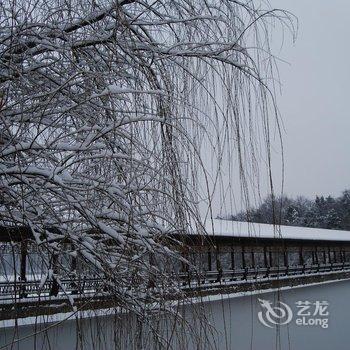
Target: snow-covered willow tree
[[105, 106]]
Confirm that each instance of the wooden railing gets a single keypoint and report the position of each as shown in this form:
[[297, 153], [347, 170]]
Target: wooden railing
[[260, 273], [16, 290]]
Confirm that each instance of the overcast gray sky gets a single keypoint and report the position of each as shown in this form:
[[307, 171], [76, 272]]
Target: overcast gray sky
[[315, 98], [314, 105]]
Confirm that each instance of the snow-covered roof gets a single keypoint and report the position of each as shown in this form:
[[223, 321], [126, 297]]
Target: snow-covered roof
[[228, 228]]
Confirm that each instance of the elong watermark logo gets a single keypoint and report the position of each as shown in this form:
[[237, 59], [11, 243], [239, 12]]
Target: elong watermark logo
[[308, 313]]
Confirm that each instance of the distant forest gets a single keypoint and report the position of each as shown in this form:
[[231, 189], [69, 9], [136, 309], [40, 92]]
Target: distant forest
[[322, 212]]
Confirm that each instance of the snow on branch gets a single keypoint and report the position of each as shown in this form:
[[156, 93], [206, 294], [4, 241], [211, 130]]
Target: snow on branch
[[105, 107]]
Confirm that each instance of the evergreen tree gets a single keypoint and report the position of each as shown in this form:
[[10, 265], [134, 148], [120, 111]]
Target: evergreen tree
[[328, 213]]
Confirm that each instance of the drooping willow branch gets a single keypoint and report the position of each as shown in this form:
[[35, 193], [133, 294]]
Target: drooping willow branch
[[105, 107]]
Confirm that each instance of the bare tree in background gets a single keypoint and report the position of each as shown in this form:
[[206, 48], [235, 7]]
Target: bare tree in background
[[105, 107]]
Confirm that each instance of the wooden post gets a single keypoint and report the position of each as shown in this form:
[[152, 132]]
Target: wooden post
[[23, 268], [285, 256], [243, 257], [243, 263], [55, 287], [75, 278], [317, 259], [301, 258], [23, 261], [265, 257], [218, 265], [266, 262], [217, 258], [232, 258], [209, 261], [253, 258], [316, 255]]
